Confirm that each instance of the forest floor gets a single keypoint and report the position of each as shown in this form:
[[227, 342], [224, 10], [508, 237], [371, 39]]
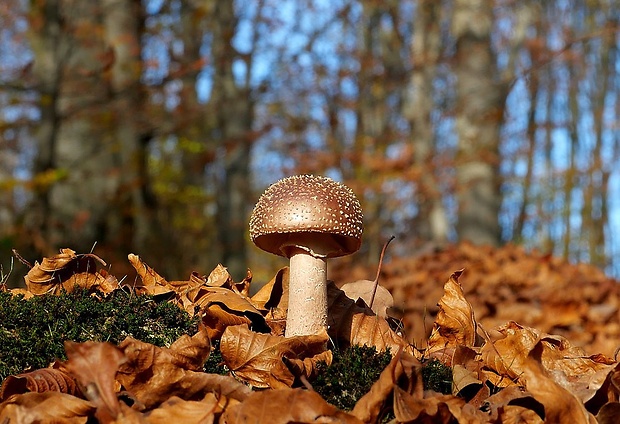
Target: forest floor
[[526, 338], [577, 301]]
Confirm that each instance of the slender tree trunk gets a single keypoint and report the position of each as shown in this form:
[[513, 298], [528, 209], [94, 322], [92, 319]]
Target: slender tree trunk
[[480, 101], [123, 23], [49, 49], [532, 127], [432, 224], [232, 106], [70, 210]]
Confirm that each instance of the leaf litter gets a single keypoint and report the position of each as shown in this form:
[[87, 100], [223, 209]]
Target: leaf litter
[[506, 373]]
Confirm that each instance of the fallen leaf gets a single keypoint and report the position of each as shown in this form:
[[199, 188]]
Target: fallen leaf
[[273, 296], [352, 323], [561, 406], [505, 357], [440, 409], [151, 282], [46, 407], [272, 300], [455, 324], [41, 380], [94, 366], [222, 307], [514, 414], [403, 369], [154, 374], [177, 410], [364, 289], [257, 358], [65, 271], [286, 406], [609, 413]]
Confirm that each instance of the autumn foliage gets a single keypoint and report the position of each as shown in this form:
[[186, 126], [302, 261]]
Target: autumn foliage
[[506, 373]]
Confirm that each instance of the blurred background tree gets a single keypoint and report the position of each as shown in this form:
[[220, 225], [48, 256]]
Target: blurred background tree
[[152, 126]]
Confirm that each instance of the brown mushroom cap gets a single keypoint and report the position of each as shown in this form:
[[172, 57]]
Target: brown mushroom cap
[[307, 210]]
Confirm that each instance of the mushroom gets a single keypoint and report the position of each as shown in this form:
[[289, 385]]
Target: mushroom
[[307, 219]]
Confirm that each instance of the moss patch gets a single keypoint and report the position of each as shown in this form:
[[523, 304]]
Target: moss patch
[[352, 372], [32, 332]]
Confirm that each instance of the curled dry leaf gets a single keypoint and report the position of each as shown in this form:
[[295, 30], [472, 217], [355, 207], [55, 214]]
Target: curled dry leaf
[[257, 358], [177, 410], [440, 409], [455, 324], [352, 323], [561, 406], [505, 358], [46, 407], [514, 414], [403, 369], [65, 271], [364, 289], [154, 374], [293, 406], [222, 307], [94, 366], [609, 413], [41, 380], [190, 352], [151, 282], [272, 300]]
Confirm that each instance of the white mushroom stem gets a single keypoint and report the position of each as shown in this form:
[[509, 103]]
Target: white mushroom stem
[[307, 294]]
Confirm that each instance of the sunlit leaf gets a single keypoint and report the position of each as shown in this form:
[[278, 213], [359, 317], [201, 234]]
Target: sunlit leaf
[[257, 358]]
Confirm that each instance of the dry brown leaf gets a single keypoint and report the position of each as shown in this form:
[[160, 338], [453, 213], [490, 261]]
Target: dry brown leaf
[[151, 282], [177, 410], [505, 357], [513, 414], [65, 271], [464, 379], [41, 380], [439, 409], [577, 301], [609, 413], [352, 323], [94, 366], [154, 374], [222, 307], [191, 352], [363, 289], [46, 407], [455, 324], [499, 404], [561, 406], [273, 296], [272, 300], [403, 368], [286, 406], [257, 358]]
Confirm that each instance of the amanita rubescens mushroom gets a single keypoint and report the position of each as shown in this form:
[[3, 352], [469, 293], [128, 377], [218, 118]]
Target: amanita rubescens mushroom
[[307, 219]]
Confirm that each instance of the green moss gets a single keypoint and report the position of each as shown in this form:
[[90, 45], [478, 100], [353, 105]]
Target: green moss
[[350, 375], [215, 363], [437, 377], [32, 332]]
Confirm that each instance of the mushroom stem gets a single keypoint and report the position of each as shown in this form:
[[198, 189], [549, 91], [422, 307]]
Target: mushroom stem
[[307, 301]]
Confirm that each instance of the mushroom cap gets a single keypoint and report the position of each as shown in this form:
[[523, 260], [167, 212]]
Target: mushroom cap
[[314, 213]]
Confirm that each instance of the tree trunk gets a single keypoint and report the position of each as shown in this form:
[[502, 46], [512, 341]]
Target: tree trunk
[[432, 222], [69, 209], [123, 23], [232, 106], [479, 111]]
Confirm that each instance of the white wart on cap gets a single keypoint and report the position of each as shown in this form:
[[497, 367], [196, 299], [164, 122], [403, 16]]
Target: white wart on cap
[[306, 210]]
